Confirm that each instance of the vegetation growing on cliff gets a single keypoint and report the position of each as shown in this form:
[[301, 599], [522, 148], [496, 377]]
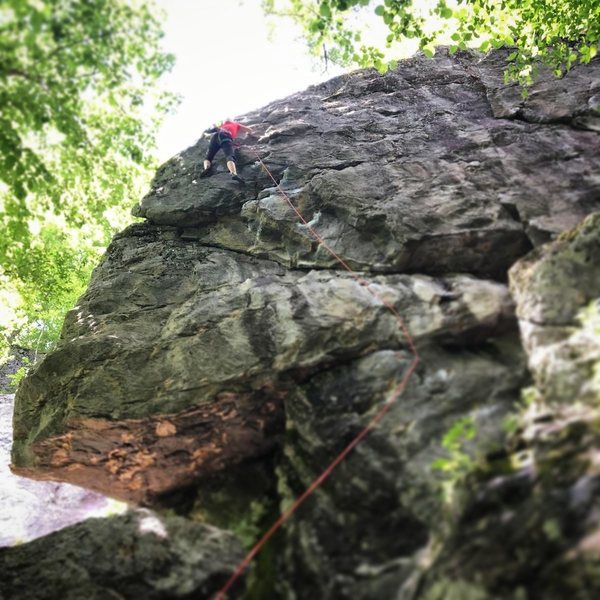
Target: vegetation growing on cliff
[[558, 33]]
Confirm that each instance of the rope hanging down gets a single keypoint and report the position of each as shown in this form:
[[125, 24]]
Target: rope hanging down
[[221, 595]]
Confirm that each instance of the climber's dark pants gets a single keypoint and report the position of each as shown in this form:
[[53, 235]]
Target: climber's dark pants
[[221, 140]]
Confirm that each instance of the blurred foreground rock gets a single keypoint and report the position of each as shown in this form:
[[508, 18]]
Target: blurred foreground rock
[[136, 555]]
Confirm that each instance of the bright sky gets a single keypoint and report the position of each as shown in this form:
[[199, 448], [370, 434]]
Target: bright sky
[[229, 62]]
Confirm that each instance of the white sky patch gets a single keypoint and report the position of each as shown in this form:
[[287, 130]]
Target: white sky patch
[[229, 62]]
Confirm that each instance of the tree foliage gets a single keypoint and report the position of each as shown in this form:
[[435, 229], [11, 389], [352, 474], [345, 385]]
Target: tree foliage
[[80, 105], [557, 33]]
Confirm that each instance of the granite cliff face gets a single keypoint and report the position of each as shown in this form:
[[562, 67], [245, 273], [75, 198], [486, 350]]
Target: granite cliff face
[[221, 355]]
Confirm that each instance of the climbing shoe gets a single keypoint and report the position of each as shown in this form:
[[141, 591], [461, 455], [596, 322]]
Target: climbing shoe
[[238, 179], [206, 173]]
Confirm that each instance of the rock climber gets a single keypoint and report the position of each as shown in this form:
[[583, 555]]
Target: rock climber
[[222, 139]]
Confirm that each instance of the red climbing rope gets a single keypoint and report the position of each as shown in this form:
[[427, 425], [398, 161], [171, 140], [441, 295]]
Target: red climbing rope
[[221, 595]]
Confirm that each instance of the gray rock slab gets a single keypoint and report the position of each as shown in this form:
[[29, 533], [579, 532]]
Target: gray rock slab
[[434, 167], [204, 344]]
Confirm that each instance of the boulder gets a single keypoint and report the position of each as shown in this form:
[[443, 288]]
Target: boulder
[[136, 555], [229, 347], [528, 522], [557, 289], [206, 349]]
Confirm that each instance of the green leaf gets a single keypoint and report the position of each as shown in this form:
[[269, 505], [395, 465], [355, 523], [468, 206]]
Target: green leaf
[[380, 10], [315, 26], [325, 10], [380, 66], [441, 464]]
